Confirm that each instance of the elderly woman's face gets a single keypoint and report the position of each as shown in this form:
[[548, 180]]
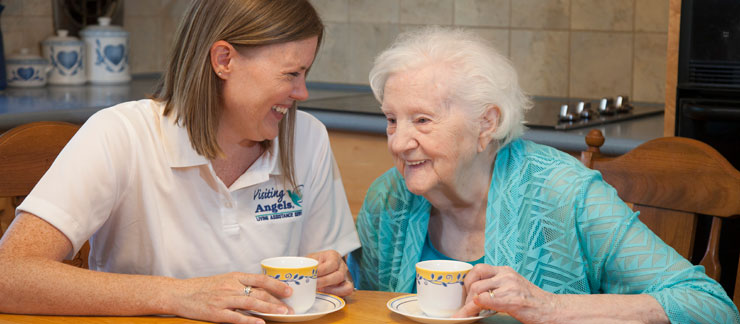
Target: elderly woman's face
[[431, 139]]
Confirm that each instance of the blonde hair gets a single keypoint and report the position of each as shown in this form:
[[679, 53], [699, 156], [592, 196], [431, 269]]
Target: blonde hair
[[481, 77], [190, 88]]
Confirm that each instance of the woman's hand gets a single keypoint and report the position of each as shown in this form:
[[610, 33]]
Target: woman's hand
[[333, 273], [503, 289], [217, 298]]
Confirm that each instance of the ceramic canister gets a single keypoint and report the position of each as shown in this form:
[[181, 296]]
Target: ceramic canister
[[66, 55], [107, 49], [27, 70]]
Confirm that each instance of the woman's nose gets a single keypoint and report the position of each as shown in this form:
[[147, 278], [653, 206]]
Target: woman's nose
[[300, 92], [402, 139]]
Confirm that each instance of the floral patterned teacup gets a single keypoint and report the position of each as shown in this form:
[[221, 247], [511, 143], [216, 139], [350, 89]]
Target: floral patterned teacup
[[300, 274], [439, 286]]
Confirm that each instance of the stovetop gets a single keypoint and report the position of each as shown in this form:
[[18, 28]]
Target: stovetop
[[543, 115]]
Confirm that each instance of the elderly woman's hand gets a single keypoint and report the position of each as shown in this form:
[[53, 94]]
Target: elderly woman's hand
[[333, 273], [503, 289], [216, 298]]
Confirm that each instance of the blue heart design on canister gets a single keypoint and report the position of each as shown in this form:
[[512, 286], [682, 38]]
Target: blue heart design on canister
[[67, 59], [25, 73], [114, 53]]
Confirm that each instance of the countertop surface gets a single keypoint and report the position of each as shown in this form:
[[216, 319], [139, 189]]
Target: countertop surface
[[77, 103]]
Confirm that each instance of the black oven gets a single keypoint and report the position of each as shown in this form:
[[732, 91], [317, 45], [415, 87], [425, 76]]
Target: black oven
[[708, 101]]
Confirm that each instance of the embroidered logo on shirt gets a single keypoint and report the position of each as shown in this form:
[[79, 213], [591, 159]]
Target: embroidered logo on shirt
[[272, 204]]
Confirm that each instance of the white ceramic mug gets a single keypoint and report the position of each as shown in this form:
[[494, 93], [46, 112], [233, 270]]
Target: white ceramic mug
[[300, 274], [439, 286]]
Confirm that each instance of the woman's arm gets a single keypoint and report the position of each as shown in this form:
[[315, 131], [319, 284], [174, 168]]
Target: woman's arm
[[34, 281]]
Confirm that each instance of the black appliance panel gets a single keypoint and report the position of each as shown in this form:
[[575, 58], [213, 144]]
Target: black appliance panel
[[710, 43]]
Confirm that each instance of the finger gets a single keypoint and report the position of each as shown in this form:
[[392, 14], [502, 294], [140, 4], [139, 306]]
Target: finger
[[271, 285], [329, 261], [486, 299], [331, 279], [342, 290], [266, 297], [256, 304], [468, 310], [230, 316]]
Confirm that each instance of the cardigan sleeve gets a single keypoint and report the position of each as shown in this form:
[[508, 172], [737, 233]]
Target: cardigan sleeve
[[625, 257]]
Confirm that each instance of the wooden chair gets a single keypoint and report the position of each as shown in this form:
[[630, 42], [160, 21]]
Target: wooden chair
[[670, 180], [26, 152]]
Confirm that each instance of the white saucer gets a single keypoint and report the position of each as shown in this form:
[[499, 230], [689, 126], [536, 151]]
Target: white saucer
[[408, 305], [324, 304]]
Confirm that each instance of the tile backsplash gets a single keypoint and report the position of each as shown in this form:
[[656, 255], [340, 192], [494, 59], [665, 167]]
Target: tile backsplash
[[577, 48]]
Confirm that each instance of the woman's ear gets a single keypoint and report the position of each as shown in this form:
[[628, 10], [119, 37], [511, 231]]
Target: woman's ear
[[489, 122], [222, 54]]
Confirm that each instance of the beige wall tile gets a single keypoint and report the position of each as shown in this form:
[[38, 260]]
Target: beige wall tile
[[37, 8], [491, 13], [651, 15], [333, 58], [365, 42], [332, 10], [541, 59], [12, 8], [175, 8], [499, 38], [28, 33], [13, 24], [545, 14], [601, 14], [437, 12], [147, 49], [373, 11], [650, 67], [600, 64], [142, 8]]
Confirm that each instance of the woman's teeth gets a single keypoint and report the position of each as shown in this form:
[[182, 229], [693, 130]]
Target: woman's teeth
[[415, 163], [279, 109]]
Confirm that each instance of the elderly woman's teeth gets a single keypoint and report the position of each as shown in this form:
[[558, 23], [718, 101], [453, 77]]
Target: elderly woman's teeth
[[279, 109], [414, 163]]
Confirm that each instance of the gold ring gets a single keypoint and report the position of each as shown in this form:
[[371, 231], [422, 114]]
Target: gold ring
[[490, 293], [247, 290]]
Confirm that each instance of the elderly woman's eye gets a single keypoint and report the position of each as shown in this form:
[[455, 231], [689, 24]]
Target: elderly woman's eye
[[391, 121], [422, 120]]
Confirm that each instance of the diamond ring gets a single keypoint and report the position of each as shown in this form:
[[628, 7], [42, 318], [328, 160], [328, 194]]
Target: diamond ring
[[247, 290]]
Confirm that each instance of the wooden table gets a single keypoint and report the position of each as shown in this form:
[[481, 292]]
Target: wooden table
[[363, 306]]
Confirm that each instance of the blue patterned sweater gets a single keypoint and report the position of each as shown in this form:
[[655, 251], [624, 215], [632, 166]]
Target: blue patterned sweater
[[555, 222]]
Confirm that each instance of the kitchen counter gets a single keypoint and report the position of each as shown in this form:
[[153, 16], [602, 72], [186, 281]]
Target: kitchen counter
[[77, 103]]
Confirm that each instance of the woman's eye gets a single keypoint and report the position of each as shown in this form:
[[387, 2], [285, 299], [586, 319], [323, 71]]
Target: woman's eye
[[422, 120], [391, 121]]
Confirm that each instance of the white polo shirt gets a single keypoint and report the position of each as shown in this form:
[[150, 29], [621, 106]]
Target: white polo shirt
[[131, 181]]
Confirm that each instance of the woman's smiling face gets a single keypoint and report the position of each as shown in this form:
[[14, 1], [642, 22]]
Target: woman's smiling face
[[432, 138], [263, 85]]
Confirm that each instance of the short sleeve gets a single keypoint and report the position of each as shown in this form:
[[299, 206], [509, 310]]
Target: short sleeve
[[82, 186]]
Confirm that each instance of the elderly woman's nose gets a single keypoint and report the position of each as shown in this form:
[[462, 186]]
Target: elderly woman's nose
[[402, 139]]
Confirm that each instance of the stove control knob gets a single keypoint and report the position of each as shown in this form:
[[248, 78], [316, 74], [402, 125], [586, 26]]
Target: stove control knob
[[565, 116], [606, 106], [584, 110], [623, 104]]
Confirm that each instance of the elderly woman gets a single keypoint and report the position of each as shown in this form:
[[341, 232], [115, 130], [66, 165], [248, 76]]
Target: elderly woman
[[182, 195], [551, 240]]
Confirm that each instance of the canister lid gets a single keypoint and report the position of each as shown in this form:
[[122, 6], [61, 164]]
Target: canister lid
[[62, 38], [103, 29], [25, 57]]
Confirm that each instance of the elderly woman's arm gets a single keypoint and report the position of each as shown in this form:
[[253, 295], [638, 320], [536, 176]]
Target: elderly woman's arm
[[503, 289], [632, 274]]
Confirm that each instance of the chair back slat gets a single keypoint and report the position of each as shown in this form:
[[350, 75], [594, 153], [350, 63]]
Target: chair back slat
[[671, 181], [26, 153]]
